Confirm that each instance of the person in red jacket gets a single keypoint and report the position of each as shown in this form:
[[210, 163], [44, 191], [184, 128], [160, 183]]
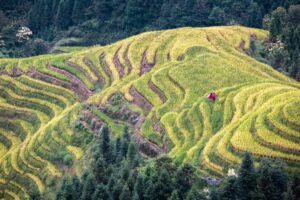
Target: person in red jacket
[[212, 96]]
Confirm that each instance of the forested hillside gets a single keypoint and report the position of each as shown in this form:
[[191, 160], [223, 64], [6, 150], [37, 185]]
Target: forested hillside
[[194, 95], [87, 22]]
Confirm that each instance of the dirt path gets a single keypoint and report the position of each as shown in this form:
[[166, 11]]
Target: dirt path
[[157, 91], [140, 100], [158, 128], [47, 78], [127, 60], [117, 63], [145, 146], [88, 63], [77, 85], [76, 66], [145, 65], [106, 67]]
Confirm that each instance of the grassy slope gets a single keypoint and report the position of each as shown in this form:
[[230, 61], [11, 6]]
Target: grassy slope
[[252, 112]]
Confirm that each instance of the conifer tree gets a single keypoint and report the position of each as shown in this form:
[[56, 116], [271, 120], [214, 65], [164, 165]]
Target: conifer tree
[[76, 187], [88, 188], [174, 195], [105, 145], [100, 193], [64, 14], [78, 10], [229, 189], [214, 195], [195, 194], [131, 153], [125, 195], [246, 178], [139, 186]]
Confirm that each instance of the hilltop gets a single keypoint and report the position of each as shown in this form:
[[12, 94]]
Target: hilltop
[[156, 83]]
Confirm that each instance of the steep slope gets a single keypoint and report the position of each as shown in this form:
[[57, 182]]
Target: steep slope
[[165, 76]]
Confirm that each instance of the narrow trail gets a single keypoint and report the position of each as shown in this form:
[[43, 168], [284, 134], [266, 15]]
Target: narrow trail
[[145, 146], [156, 125], [127, 60], [33, 73], [140, 100], [157, 91], [145, 65], [88, 63], [106, 67], [79, 68], [77, 85], [118, 64]]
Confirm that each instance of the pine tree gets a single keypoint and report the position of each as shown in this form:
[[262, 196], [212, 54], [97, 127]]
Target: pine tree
[[229, 189], [117, 190], [139, 186], [76, 187], [277, 22], [246, 178], [135, 13], [78, 11], [217, 16], [131, 153], [266, 189], [214, 195], [105, 146], [295, 185], [164, 185], [102, 9], [64, 14], [195, 194], [289, 195], [254, 15], [99, 168], [135, 196], [125, 195], [183, 180], [124, 147], [186, 13], [68, 190], [100, 193], [88, 188], [174, 196], [150, 191]]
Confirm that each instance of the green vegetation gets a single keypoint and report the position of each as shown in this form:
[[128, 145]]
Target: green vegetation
[[155, 87], [54, 24]]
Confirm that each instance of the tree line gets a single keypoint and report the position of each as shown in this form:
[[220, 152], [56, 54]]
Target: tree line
[[119, 172], [105, 21]]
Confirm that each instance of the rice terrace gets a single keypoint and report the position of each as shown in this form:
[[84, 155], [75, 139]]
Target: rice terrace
[[158, 85]]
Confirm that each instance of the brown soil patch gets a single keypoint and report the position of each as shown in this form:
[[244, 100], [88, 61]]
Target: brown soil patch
[[76, 66], [157, 91], [106, 67], [77, 86], [117, 64], [94, 70], [145, 65], [127, 60], [140, 100], [146, 147], [47, 78], [158, 128]]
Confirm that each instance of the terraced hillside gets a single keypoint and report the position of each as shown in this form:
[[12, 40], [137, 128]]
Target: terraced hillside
[[164, 78]]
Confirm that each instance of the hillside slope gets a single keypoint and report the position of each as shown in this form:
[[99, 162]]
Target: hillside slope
[[166, 77]]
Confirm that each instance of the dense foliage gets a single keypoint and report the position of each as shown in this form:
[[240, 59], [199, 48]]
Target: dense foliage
[[119, 172], [284, 47], [105, 21]]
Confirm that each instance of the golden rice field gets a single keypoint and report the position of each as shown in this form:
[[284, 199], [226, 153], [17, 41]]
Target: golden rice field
[[166, 76]]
